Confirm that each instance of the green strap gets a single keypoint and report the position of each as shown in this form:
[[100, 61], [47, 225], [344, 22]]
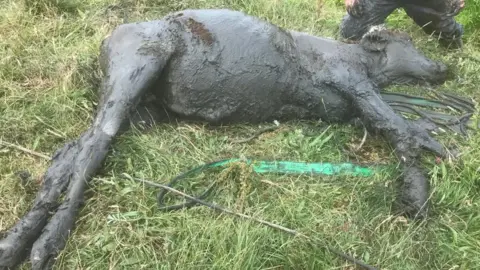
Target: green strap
[[290, 167], [404, 103], [261, 166]]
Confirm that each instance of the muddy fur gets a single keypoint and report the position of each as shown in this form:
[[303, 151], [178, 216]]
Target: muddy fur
[[224, 67]]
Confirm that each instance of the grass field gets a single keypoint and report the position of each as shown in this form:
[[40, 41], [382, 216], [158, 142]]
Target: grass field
[[48, 79]]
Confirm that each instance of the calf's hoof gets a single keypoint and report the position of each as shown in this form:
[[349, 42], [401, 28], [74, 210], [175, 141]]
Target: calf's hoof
[[415, 138], [414, 194]]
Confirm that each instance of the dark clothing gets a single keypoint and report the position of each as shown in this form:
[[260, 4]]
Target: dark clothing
[[435, 17]]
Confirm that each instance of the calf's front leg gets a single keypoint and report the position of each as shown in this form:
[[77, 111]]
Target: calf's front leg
[[407, 138], [130, 71]]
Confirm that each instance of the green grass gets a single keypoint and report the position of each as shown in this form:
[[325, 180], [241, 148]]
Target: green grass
[[48, 79]]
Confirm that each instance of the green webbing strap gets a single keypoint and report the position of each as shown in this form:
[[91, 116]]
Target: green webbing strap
[[261, 166], [404, 103], [290, 167]]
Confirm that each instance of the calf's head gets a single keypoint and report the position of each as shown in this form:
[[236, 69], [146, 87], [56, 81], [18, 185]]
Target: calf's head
[[394, 59]]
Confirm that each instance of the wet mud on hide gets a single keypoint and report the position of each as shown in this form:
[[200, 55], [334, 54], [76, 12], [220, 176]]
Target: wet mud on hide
[[222, 66]]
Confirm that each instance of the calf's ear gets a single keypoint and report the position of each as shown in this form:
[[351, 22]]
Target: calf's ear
[[376, 39]]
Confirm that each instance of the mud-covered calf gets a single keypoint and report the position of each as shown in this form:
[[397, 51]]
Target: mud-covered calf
[[222, 66]]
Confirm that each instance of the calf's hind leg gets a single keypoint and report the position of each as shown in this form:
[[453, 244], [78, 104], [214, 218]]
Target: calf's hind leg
[[130, 69], [408, 139]]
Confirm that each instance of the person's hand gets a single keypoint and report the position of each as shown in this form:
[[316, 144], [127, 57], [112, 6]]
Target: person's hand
[[355, 7], [456, 6], [349, 2]]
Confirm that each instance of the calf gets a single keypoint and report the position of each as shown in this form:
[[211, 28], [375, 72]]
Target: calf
[[222, 66]]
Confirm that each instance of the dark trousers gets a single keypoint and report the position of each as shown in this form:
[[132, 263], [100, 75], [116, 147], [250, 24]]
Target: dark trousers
[[435, 17]]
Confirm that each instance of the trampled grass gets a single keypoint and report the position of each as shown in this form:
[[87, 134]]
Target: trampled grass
[[48, 79]]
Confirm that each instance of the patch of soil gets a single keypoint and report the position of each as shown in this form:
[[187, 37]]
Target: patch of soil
[[199, 30]]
